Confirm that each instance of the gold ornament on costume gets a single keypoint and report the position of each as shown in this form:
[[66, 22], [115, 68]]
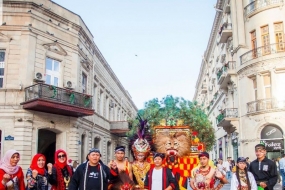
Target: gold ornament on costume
[[141, 146]]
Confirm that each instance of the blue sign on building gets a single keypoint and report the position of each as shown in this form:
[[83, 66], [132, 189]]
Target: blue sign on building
[[9, 138]]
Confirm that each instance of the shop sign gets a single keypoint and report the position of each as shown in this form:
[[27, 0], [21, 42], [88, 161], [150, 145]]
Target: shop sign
[[273, 145], [270, 132], [9, 138]]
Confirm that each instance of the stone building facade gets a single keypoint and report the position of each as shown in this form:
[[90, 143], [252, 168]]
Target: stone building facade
[[56, 88], [241, 80]]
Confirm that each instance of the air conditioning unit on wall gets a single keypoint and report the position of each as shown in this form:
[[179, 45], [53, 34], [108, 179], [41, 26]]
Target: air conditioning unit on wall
[[68, 84], [38, 77]]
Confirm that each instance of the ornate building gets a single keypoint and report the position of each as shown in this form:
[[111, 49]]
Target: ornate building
[[242, 77], [56, 88]]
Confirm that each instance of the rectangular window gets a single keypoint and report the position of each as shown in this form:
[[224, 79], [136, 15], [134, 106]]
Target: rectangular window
[[280, 90], [279, 36], [253, 43], [52, 72], [267, 91], [2, 67], [267, 85], [254, 88], [265, 40], [84, 83], [95, 96], [101, 104]]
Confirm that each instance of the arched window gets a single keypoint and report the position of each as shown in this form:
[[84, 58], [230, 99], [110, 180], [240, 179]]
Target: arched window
[[97, 142]]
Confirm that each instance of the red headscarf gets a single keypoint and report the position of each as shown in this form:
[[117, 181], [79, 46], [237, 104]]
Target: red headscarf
[[34, 164], [57, 162], [59, 166]]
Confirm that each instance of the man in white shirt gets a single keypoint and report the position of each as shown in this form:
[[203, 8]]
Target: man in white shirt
[[282, 169], [227, 168], [160, 177]]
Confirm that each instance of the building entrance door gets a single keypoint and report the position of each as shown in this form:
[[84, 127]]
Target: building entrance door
[[46, 144]]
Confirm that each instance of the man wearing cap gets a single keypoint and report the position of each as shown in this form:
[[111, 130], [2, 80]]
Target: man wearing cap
[[205, 176], [121, 162], [160, 177], [263, 169], [93, 174]]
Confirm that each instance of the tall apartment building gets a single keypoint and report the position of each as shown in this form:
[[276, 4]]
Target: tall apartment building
[[56, 88], [242, 77]]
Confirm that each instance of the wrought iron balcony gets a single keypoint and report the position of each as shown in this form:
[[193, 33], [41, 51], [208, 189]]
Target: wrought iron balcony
[[225, 32], [225, 118], [224, 74], [119, 128], [271, 104], [52, 99], [262, 51], [258, 5]]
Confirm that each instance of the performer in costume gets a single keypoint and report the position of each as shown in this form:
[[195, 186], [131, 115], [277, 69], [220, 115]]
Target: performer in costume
[[242, 179], [206, 176], [124, 168], [60, 173], [141, 149], [176, 146]]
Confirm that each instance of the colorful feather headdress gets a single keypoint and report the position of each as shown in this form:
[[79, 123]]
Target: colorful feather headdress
[[141, 145]]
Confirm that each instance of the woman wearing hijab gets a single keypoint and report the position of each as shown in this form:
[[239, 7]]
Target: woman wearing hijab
[[37, 177], [60, 173], [242, 179], [11, 174]]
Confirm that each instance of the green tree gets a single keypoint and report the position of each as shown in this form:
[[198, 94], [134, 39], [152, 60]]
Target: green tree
[[176, 108]]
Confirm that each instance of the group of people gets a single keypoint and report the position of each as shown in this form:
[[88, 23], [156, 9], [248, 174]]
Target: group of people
[[93, 174], [56, 176], [260, 174]]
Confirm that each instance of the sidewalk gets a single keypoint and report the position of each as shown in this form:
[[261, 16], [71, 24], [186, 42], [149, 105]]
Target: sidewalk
[[228, 187]]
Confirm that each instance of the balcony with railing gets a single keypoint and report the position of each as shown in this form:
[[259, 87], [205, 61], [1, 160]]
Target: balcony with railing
[[226, 117], [224, 74], [119, 128], [204, 88], [55, 100], [265, 105], [260, 5], [263, 52]]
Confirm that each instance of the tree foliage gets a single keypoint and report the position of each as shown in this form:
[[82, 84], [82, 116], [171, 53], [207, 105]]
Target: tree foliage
[[178, 108]]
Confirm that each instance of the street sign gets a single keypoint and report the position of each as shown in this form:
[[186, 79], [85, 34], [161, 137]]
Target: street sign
[[9, 138]]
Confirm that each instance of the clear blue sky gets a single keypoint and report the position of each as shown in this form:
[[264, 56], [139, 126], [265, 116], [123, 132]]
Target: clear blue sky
[[168, 37]]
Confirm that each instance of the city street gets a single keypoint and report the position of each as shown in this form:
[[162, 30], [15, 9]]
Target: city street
[[228, 187]]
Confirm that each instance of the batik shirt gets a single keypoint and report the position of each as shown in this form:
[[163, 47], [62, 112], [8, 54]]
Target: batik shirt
[[40, 183]]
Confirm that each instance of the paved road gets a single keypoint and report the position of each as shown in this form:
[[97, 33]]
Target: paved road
[[228, 187]]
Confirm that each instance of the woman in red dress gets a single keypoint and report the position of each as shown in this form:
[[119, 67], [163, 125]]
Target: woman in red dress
[[11, 174]]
